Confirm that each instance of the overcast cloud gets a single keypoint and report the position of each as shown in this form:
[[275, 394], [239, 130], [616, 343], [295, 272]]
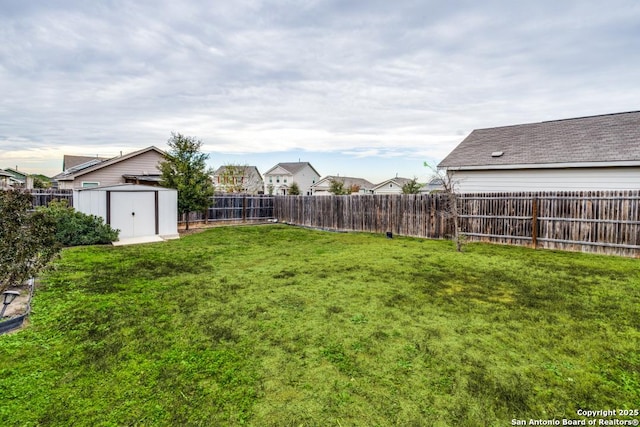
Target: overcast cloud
[[323, 79]]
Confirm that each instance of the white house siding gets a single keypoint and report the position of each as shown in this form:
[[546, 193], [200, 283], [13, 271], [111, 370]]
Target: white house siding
[[305, 178], [145, 163], [271, 179], [389, 188], [569, 179]]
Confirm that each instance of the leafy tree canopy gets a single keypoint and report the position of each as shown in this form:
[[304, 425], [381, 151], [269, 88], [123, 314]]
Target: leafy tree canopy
[[184, 168], [27, 239], [294, 190], [336, 187], [411, 187]]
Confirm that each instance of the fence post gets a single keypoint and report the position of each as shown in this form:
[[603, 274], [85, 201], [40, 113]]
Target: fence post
[[534, 222], [244, 208]]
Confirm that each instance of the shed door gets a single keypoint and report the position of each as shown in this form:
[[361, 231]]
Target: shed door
[[133, 213]]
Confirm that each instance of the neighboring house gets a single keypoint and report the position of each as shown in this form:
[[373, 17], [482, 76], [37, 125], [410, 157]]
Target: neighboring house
[[18, 179], [25, 180], [391, 186], [435, 184], [69, 162], [321, 188], [5, 179], [586, 153], [238, 179], [139, 167], [279, 178]]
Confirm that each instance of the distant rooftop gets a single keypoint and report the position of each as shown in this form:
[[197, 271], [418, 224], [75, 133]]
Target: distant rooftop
[[603, 138]]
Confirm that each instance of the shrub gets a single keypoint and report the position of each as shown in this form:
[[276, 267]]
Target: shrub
[[27, 240], [76, 228]]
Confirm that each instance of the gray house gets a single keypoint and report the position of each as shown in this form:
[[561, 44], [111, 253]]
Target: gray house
[[587, 153]]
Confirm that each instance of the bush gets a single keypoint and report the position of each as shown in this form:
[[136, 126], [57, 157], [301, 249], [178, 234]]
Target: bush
[[76, 228], [27, 240]]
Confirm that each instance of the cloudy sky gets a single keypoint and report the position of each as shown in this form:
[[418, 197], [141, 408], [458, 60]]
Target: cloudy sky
[[367, 88]]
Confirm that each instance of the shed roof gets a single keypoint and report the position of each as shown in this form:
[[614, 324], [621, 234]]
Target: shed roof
[[609, 138], [126, 187]]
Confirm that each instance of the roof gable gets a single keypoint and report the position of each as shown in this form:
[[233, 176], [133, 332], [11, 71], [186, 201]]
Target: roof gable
[[290, 168], [71, 174], [397, 181], [605, 138]]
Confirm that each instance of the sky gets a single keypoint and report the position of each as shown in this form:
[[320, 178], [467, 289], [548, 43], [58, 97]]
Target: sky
[[361, 88]]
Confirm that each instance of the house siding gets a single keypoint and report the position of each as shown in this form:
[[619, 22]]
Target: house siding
[[569, 179], [389, 188], [143, 163], [305, 178]]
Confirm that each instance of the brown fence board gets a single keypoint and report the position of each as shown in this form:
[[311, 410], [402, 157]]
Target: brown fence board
[[44, 196], [589, 221]]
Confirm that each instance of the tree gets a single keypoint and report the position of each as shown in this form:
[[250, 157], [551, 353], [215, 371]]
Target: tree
[[27, 239], [294, 190], [184, 168], [451, 209], [231, 179], [411, 187], [41, 181], [336, 186]]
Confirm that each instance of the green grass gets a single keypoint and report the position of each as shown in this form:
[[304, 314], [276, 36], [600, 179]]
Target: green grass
[[282, 326]]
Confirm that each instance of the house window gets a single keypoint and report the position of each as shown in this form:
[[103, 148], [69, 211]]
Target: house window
[[390, 185], [89, 184], [285, 179], [270, 179], [278, 179]]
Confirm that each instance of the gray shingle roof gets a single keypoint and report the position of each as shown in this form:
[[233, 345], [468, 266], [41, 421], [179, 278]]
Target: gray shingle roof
[[348, 181], [605, 138], [293, 168]]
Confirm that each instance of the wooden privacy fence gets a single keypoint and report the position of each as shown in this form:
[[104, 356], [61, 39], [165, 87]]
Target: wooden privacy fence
[[234, 207], [43, 196], [408, 215], [590, 221]]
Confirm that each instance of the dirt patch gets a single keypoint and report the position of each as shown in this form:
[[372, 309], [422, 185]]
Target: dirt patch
[[199, 227]]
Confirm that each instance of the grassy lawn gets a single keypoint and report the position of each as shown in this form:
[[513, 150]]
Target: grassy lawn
[[282, 326]]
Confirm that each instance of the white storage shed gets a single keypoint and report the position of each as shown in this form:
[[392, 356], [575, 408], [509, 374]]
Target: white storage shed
[[140, 212]]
